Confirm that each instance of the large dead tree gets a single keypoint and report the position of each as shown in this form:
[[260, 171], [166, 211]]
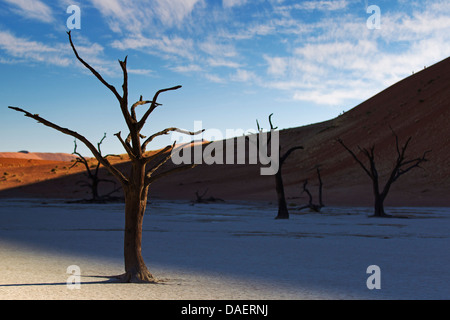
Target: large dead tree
[[283, 212], [402, 166], [144, 169]]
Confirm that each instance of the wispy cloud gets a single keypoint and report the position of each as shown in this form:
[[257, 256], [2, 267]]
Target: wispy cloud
[[322, 5], [233, 3], [173, 12], [187, 68], [32, 9], [343, 61], [316, 51], [125, 16], [214, 78], [242, 75], [165, 46], [219, 62], [24, 50], [140, 71], [29, 50]]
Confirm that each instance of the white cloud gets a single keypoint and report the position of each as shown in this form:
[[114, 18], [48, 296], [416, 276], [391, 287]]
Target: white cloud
[[214, 48], [173, 12], [233, 3], [187, 68], [214, 78], [165, 46], [126, 16], [32, 9], [330, 5], [219, 62], [24, 50], [242, 75], [277, 65], [342, 61], [140, 71], [29, 50]]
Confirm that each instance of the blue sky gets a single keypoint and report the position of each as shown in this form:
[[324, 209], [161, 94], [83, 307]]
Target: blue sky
[[237, 60]]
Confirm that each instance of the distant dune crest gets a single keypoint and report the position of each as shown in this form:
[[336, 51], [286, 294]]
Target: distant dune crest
[[38, 156]]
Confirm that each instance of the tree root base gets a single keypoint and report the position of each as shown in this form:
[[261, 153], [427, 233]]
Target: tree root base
[[384, 215], [136, 277]]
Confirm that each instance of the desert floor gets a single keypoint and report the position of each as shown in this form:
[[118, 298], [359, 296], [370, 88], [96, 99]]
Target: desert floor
[[220, 251]]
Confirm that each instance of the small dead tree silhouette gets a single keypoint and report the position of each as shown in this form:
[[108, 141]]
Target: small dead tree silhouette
[[93, 174], [136, 182], [402, 166], [283, 212], [200, 198], [312, 206]]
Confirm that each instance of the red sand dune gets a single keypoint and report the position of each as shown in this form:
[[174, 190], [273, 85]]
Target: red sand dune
[[418, 106], [38, 156]]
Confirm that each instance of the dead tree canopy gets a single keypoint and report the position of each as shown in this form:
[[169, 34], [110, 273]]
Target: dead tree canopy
[[402, 165], [144, 169]]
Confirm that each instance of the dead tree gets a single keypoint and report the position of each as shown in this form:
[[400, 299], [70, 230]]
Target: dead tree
[[283, 212], [92, 174], [312, 206], [136, 182], [402, 165], [200, 198]]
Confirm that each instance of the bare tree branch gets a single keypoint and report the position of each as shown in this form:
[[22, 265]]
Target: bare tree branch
[[123, 65], [81, 160], [94, 72], [157, 154], [270, 122], [154, 104], [149, 175], [166, 131], [141, 103], [305, 189], [99, 151], [168, 172], [123, 100], [287, 154], [355, 157], [126, 146], [78, 136], [160, 163], [311, 205]]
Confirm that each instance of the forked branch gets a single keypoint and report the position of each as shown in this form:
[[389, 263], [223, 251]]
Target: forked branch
[[141, 103], [153, 105], [126, 146]]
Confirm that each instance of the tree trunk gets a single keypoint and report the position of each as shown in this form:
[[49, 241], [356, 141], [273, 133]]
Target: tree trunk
[[283, 212], [379, 206], [135, 205], [95, 195]]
